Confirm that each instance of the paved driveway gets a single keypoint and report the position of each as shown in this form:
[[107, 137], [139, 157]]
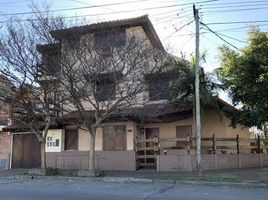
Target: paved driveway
[[11, 189]]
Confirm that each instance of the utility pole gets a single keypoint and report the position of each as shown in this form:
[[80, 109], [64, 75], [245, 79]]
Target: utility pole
[[197, 94]]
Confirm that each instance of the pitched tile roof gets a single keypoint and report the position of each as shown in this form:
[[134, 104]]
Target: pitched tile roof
[[143, 21]]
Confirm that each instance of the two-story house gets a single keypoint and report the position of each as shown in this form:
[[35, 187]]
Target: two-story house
[[132, 137]]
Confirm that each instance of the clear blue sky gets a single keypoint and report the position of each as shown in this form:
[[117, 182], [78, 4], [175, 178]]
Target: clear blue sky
[[168, 20]]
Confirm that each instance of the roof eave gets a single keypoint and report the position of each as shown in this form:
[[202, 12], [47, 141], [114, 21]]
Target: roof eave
[[143, 21]]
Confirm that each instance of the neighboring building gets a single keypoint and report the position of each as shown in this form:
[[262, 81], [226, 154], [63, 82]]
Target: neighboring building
[[167, 129], [5, 114]]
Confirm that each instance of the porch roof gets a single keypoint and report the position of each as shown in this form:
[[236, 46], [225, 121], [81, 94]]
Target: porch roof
[[147, 113], [19, 127]]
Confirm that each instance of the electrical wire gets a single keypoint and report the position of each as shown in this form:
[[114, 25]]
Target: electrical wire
[[188, 23], [102, 5], [235, 10], [219, 36], [237, 22]]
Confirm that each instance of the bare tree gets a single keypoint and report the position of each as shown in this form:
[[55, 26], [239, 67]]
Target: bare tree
[[32, 98], [101, 80], [96, 80]]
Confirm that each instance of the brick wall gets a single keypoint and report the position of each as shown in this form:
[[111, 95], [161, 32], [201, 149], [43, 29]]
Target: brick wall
[[4, 150]]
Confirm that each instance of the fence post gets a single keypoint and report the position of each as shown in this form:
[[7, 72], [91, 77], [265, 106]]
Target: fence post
[[259, 144], [136, 144], [237, 144], [188, 145], [214, 144], [156, 145]]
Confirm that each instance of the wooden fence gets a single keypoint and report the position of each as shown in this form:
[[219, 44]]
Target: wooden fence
[[208, 144]]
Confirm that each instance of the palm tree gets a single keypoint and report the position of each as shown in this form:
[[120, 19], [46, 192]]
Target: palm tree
[[183, 89]]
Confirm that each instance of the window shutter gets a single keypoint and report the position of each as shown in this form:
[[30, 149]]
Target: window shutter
[[71, 139], [120, 137], [114, 137], [108, 138]]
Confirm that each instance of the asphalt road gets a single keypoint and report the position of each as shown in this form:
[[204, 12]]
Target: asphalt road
[[91, 190]]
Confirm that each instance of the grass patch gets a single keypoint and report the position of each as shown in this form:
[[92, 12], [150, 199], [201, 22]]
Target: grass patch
[[263, 181], [57, 172]]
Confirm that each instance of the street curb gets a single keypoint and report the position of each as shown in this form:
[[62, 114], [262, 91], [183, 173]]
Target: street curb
[[136, 180], [125, 180], [65, 178], [226, 184]]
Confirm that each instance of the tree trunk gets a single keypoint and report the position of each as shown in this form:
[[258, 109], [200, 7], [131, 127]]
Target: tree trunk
[[43, 155], [92, 150], [43, 144]]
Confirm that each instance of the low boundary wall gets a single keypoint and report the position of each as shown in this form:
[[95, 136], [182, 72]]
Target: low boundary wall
[[211, 161], [105, 160]]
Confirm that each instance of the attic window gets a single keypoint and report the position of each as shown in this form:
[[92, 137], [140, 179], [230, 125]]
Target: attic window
[[105, 41], [158, 89], [73, 43]]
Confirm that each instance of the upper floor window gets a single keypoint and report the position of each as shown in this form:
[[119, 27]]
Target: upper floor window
[[52, 64], [105, 41], [105, 90], [158, 89]]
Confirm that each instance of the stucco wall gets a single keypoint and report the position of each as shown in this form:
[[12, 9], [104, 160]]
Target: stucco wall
[[212, 123], [84, 137], [105, 160], [211, 162]]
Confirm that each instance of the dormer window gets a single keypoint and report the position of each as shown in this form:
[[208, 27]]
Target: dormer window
[[158, 89], [73, 43], [105, 41]]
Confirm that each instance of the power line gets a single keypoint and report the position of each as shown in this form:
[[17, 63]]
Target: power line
[[172, 15], [233, 6], [103, 5], [236, 10], [172, 19], [221, 30], [168, 12], [237, 22], [219, 36], [12, 2], [238, 40], [188, 23], [237, 2]]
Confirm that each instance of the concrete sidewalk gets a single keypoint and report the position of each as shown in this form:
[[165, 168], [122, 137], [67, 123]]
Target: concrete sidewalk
[[13, 172], [259, 175]]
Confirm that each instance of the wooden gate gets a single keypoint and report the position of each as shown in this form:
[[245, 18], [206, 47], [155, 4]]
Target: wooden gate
[[26, 152], [146, 152]]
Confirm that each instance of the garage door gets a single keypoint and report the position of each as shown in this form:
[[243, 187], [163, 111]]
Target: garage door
[[26, 151]]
